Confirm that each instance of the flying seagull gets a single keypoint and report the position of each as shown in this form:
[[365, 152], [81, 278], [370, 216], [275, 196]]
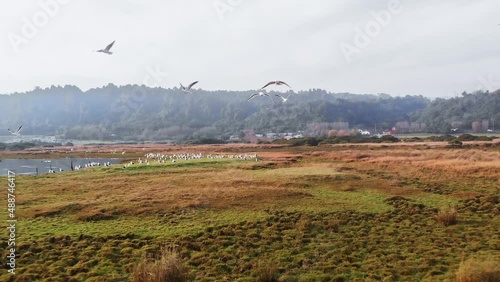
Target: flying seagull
[[261, 94], [188, 89], [283, 98], [106, 50], [17, 132], [278, 82]]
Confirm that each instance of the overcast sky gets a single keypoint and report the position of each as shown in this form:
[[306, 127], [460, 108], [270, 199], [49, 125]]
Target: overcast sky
[[433, 48]]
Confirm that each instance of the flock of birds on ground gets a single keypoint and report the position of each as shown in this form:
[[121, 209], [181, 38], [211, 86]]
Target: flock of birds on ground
[[156, 159], [152, 158]]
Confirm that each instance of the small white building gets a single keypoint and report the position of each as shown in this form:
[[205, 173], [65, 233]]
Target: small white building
[[364, 132]]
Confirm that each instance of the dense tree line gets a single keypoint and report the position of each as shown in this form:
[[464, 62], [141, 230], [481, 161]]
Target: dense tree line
[[134, 112], [476, 112]]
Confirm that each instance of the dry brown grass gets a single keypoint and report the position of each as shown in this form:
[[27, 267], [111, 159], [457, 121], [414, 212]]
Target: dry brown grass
[[447, 216], [169, 267], [150, 192], [307, 200], [267, 271], [253, 184], [474, 270]]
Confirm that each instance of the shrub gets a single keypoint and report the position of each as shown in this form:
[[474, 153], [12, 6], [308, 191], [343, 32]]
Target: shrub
[[389, 139], [455, 143], [447, 216], [168, 267], [473, 270], [446, 137], [307, 141], [266, 271], [467, 137], [20, 146], [208, 141]]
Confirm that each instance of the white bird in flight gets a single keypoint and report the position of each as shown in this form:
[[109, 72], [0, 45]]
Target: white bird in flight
[[261, 94], [277, 82], [188, 89], [106, 50], [17, 132], [283, 98]]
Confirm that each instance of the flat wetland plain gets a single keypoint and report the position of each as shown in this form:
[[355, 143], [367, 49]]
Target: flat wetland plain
[[325, 213]]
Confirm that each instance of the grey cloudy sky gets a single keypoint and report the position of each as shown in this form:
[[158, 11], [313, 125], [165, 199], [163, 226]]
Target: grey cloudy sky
[[433, 48]]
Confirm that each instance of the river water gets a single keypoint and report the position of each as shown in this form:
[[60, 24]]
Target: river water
[[42, 166]]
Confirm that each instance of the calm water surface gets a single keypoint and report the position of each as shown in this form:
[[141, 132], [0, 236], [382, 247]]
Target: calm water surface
[[30, 166]]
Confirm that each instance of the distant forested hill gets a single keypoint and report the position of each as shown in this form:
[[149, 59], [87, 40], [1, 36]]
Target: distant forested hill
[[476, 112], [135, 112]]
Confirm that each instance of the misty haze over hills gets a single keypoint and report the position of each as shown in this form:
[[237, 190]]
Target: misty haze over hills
[[324, 49], [135, 112]]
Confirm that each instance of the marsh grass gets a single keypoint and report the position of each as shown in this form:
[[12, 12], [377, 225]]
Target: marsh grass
[[474, 270], [168, 267], [340, 213], [447, 216], [266, 271]]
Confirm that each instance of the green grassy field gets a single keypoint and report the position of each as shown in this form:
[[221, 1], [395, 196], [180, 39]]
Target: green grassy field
[[328, 213]]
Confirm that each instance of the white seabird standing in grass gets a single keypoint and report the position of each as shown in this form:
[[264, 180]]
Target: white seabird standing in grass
[[106, 50]]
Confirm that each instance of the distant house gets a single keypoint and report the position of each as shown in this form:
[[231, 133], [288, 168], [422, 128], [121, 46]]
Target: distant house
[[364, 132], [234, 138]]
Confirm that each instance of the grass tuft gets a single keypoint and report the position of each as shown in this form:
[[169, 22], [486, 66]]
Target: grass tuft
[[473, 270], [169, 267], [267, 271], [447, 216]]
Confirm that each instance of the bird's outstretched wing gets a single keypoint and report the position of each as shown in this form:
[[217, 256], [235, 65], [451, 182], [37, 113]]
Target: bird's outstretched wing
[[269, 83], [270, 97], [282, 82], [109, 46], [253, 95], [282, 98], [191, 85], [19, 129]]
